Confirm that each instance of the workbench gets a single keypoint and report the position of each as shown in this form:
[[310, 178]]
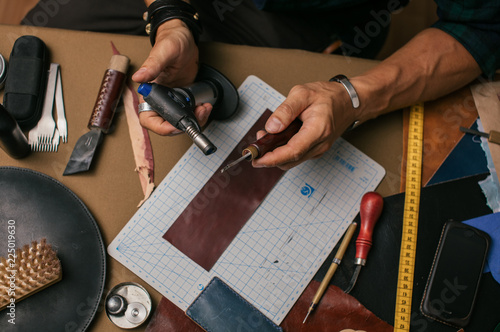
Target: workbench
[[111, 189]]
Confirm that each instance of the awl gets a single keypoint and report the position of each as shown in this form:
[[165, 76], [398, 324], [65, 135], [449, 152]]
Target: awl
[[370, 209], [266, 143], [109, 95], [493, 136], [333, 267]]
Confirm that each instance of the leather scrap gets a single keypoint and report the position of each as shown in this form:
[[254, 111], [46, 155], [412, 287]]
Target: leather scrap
[[337, 311], [139, 137], [442, 121], [217, 213]]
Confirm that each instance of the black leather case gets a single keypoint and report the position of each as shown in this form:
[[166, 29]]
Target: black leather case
[[26, 80], [453, 283]]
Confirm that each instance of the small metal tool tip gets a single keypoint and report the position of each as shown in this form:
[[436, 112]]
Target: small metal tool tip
[[237, 161], [308, 312]]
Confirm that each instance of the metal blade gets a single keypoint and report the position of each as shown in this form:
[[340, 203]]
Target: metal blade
[[237, 161], [474, 132], [83, 153], [354, 278]]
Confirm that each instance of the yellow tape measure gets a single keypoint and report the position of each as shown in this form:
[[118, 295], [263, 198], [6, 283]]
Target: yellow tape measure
[[402, 315]]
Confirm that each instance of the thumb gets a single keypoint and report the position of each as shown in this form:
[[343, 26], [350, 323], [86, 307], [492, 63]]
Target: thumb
[[153, 66], [285, 113]]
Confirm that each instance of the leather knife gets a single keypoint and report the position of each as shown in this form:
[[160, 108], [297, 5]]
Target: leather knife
[[109, 95]]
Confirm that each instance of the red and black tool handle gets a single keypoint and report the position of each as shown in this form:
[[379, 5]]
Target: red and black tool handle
[[269, 142], [370, 210]]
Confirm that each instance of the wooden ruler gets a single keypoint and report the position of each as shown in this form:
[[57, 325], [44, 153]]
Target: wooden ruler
[[402, 315]]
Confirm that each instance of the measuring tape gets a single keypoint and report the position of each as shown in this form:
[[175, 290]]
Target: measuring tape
[[402, 315]]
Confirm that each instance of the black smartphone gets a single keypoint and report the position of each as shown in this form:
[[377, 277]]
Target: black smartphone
[[453, 282]]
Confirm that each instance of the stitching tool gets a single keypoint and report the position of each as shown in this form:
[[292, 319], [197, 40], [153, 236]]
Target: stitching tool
[[371, 208], [329, 274], [493, 136], [266, 143]]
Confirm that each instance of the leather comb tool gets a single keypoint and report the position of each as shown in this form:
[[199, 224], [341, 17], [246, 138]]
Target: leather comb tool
[[109, 95], [266, 143], [371, 208]]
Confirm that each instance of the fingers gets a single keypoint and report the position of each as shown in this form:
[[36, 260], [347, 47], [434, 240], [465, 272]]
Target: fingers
[[296, 102], [173, 60], [154, 122], [202, 113], [306, 144]]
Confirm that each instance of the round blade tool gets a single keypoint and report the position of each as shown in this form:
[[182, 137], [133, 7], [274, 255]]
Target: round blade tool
[[370, 210]]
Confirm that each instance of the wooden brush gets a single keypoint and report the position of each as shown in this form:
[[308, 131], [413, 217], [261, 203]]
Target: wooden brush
[[28, 271]]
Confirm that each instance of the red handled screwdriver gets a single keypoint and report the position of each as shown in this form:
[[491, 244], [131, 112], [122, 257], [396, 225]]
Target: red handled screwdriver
[[266, 143], [370, 210]]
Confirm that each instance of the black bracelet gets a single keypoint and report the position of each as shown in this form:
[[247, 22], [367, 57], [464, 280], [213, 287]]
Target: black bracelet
[[161, 11]]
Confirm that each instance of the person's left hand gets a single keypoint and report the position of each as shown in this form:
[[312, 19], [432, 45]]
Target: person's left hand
[[326, 112]]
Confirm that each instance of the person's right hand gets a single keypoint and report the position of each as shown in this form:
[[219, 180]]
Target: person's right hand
[[173, 62]]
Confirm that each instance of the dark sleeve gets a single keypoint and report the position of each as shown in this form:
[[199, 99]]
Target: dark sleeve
[[476, 25]]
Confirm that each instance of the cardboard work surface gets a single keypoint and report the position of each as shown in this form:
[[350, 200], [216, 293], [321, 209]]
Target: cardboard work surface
[[277, 252], [111, 189]]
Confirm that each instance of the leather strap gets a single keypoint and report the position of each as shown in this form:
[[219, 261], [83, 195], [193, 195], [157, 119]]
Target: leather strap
[[107, 100], [161, 11]]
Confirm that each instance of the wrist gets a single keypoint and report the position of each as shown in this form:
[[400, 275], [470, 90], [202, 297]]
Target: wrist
[[169, 14], [373, 97], [353, 96]]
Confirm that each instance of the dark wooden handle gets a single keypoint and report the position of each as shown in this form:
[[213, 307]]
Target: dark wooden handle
[[110, 93], [269, 142]]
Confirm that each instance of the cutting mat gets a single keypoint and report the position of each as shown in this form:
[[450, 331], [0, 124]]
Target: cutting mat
[[282, 245]]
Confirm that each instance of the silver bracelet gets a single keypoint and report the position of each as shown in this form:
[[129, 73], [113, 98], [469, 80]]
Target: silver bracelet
[[342, 79]]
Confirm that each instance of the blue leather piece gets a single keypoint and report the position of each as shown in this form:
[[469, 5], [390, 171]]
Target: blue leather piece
[[219, 309]]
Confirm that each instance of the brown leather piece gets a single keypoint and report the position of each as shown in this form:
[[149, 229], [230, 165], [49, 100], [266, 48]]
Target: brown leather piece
[[109, 95], [222, 207], [169, 317], [336, 311], [442, 121]]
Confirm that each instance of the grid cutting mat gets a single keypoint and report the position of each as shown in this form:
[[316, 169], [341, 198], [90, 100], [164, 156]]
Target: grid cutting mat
[[280, 248]]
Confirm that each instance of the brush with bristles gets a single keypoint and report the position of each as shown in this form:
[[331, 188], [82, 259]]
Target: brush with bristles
[[30, 270]]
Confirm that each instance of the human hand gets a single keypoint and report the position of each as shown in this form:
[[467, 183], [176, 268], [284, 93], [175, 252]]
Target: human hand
[[173, 62], [326, 112]]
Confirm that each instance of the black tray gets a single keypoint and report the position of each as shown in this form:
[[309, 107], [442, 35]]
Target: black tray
[[44, 208]]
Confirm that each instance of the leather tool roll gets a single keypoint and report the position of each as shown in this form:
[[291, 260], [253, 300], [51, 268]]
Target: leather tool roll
[[26, 81], [110, 93]]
